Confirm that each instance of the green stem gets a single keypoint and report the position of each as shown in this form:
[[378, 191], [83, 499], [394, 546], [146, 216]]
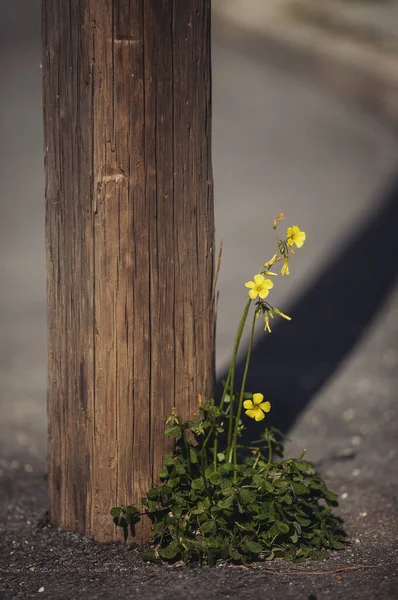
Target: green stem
[[232, 450], [184, 438], [215, 445], [206, 440], [203, 461], [232, 370], [257, 460], [225, 390], [269, 452]]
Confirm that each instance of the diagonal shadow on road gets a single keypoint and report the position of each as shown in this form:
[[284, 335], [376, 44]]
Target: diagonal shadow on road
[[329, 319]]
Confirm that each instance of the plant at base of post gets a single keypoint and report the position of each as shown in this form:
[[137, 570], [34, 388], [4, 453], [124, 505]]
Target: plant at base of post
[[222, 500]]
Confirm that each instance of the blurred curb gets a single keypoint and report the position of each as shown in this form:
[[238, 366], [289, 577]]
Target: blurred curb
[[356, 72]]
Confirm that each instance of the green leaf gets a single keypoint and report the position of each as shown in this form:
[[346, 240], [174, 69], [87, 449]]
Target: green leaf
[[116, 512], [193, 456], [197, 484], [168, 460], [280, 484], [220, 456], [235, 555], [174, 431], [153, 494], [215, 478], [179, 500], [266, 486], [294, 537], [282, 527], [299, 489], [320, 554], [331, 497], [150, 557], [228, 490], [199, 510], [209, 471], [247, 495], [208, 527], [302, 520], [228, 467], [170, 551], [251, 546], [131, 510], [304, 466], [227, 502], [198, 428], [173, 482], [180, 469], [286, 499]]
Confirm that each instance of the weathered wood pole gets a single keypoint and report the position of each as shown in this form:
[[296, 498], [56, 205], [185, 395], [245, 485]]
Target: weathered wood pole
[[130, 240]]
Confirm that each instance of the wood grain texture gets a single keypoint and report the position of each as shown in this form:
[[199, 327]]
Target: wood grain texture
[[130, 243]]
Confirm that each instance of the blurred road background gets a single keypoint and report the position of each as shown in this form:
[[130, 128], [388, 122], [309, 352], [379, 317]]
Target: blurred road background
[[283, 141]]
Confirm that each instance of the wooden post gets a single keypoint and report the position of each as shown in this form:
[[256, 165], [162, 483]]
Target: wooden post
[[130, 241]]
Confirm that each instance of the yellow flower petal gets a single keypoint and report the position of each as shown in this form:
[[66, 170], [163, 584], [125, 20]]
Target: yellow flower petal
[[265, 406], [295, 236], [258, 279], [263, 294], [281, 314], [260, 415], [285, 268], [248, 404], [290, 231], [257, 399], [252, 413], [299, 239], [250, 284], [267, 326], [253, 294], [268, 283]]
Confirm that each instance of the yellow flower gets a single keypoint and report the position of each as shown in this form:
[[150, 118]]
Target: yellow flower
[[295, 236], [267, 327], [255, 409], [259, 287], [281, 314], [285, 268]]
